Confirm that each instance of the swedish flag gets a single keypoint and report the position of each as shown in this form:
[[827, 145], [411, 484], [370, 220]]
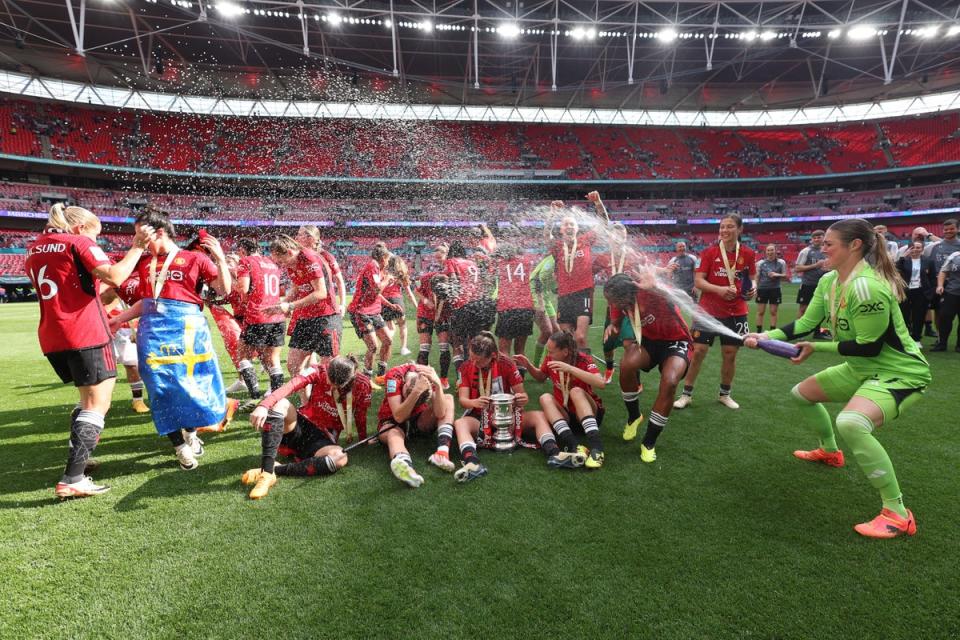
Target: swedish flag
[[179, 366]]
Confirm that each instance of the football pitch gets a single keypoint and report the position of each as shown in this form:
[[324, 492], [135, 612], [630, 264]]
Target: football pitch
[[725, 536]]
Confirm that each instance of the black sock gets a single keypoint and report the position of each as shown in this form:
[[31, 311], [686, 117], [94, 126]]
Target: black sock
[[655, 425], [84, 434], [324, 466], [549, 445], [270, 439], [759, 328], [565, 435], [457, 361], [724, 390], [176, 438], [631, 400], [136, 389], [276, 378], [468, 453], [444, 360], [423, 356], [609, 363], [592, 432], [688, 389], [444, 435], [772, 327], [381, 368], [249, 376]]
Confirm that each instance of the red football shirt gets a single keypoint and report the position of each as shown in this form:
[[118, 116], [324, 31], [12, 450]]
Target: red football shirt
[[501, 376], [580, 275], [330, 305], [71, 315], [366, 296], [321, 407], [394, 389], [584, 362], [711, 265], [236, 302], [129, 290], [467, 276], [660, 319], [264, 289], [310, 266], [186, 276], [513, 284]]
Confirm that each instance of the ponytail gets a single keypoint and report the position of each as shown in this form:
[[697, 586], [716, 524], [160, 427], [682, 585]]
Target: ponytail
[[885, 267], [342, 369], [65, 218]]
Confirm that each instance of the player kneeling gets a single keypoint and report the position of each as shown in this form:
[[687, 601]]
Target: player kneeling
[[414, 402], [573, 403], [339, 399], [654, 335], [487, 373]]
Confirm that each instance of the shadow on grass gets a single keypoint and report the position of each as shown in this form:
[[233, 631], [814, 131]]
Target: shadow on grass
[[180, 484]]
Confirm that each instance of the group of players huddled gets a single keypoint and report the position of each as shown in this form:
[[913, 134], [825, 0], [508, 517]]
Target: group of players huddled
[[470, 288]]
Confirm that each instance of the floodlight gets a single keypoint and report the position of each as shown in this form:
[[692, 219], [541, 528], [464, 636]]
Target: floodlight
[[229, 9], [862, 32], [667, 35], [509, 30]]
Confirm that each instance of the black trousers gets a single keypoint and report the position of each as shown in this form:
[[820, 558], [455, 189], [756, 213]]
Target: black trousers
[[914, 309], [949, 308]]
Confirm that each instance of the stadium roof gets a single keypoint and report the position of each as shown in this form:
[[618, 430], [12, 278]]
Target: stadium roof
[[619, 54]]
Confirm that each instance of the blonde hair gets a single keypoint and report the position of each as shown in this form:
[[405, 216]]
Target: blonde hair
[[313, 231], [66, 218], [398, 268], [283, 244], [873, 246]]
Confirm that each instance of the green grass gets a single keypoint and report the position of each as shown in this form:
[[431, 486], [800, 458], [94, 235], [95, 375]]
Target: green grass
[[726, 535]]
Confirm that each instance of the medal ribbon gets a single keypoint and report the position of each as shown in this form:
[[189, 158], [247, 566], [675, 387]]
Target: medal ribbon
[[346, 416], [569, 255], [564, 386], [834, 303], [636, 319], [157, 281], [731, 274]]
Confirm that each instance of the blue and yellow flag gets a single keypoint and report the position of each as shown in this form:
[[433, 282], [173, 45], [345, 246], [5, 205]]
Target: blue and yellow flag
[[179, 366]]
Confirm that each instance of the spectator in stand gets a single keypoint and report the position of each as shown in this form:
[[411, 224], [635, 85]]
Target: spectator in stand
[[810, 263], [917, 270], [682, 266], [770, 272]]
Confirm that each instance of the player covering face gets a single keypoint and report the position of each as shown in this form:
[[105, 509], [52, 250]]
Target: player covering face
[[575, 378], [883, 373], [339, 399]]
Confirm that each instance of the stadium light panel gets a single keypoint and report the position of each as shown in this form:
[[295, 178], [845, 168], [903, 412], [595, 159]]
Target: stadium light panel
[[509, 30], [229, 9], [862, 32], [749, 36], [667, 35], [834, 34], [927, 32], [426, 25], [954, 30], [766, 36], [577, 33], [334, 19]]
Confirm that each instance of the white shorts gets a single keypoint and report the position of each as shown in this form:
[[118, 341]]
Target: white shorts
[[124, 349]]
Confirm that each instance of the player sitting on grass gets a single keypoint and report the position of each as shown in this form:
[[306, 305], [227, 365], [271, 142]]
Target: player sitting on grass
[[654, 335], [883, 372], [414, 402], [338, 402], [573, 403]]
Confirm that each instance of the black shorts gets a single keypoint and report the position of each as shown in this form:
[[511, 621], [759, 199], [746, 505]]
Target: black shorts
[[515, 323], [660, 350], [737, 324], [935, 302], [805, 294], [305, 439], [473, 317], [319, 335], [575, 305], [409, 428], [390, 314], [769, 296], [428, 326], [85, 367], [268, 334], [364, 324]]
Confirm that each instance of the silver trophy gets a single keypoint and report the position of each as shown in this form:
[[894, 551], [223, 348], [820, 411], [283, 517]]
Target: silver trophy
[[504, 428]]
